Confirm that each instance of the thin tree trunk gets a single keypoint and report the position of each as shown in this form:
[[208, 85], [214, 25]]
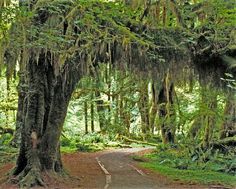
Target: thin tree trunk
[[7, 98], [153, 112], [125, 115], [164, 14], [86, 116], [108, 81], [92, 112], [158, 11]]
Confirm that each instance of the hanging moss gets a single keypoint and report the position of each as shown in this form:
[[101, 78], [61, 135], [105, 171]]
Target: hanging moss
[[86, 28]]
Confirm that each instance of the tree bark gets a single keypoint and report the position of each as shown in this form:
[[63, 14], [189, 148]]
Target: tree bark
[[143, 105], [86, 116], [166, 110], [22, 98], [101, 111], [92, 112], [154, 107], [44, 115]]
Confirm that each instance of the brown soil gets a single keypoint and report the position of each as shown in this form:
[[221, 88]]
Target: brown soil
[[82, 171], [84, 166]]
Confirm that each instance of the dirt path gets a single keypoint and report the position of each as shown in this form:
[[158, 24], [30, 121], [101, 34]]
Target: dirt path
[[123, 173], [111, 169]]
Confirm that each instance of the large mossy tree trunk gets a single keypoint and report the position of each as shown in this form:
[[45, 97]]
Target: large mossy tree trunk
[[21, 88], [45, 110], [166, 110]]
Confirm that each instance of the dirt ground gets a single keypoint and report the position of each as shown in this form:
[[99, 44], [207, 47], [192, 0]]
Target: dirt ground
[[82, 171]]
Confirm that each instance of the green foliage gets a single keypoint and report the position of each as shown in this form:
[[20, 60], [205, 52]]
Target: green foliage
[[91, 24], [5, 139], [206, 168], [214, 160], [185, 158], [230, 80], [6, 18], [192, 176], [223, 13], [8, 107], [88, 143], [7, 153]]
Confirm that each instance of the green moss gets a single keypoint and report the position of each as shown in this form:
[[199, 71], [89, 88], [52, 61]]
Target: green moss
[[190, 176]]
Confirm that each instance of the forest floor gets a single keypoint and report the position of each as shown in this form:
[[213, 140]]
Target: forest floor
[[109, 169]]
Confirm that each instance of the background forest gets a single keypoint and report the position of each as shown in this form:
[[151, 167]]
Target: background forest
[[186, 111]]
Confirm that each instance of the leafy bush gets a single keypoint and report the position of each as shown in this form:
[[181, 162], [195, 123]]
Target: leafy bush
[[5, 139]]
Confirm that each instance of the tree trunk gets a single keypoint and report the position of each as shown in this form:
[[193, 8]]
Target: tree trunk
[[7, 98], [108, 78], [126, 116], [195, 127], [143, 105], [164, 14], [154, 107], [22, 99], [44, 115], [101, 111], [86, 116], [166, 111], [92, 112], [20, 110]]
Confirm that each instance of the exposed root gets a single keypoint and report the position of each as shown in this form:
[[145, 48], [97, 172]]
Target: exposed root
[[32, 178]]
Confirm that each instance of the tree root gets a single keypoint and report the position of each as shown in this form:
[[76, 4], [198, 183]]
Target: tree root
[[31, 178]]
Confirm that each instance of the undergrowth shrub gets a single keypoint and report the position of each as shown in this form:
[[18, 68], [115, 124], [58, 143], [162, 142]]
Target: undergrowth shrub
[[184, 157], [89, 142]]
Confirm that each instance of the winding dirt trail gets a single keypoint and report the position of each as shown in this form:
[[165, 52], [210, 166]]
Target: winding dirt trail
[[122, 172], [110, 169]]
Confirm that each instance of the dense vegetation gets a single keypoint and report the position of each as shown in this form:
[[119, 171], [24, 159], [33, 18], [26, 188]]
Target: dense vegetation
[[154, 72]]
